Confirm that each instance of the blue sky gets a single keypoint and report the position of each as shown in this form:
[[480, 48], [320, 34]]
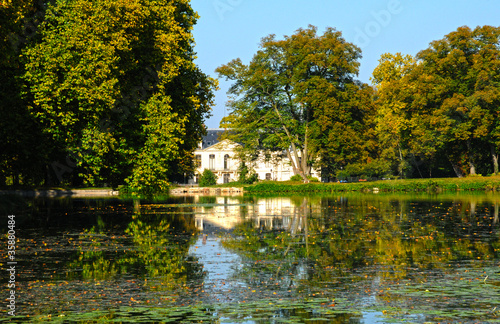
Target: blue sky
[[229, 29]]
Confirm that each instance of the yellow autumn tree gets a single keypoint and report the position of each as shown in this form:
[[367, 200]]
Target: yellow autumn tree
[[115, 86]]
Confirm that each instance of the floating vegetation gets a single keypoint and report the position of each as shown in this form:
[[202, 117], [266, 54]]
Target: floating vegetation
[[465, 293], [266, 311], [346, 258]]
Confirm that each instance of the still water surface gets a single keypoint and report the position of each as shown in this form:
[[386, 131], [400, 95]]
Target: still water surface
[[342, 259]]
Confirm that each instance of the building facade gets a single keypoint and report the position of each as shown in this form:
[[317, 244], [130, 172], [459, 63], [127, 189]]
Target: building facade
[[220, 157]]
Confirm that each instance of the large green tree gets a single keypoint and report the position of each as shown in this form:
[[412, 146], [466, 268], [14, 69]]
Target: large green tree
[[114, 85], [392, 124], [455, 98], [294, 96]]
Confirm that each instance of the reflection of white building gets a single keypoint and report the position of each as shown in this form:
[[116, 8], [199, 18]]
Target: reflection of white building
[[269, 213], [219, 157], [224, 214]]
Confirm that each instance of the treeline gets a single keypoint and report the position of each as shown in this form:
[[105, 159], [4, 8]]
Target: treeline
[[106, 93], [433, 115], [100, 92]]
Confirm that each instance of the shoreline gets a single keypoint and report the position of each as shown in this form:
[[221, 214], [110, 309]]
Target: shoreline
[[402, 185], [54, 193], [491, 184], [100, 193]]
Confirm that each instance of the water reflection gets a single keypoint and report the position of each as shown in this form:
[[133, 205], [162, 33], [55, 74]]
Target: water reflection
[[359, 248], [410, 257]]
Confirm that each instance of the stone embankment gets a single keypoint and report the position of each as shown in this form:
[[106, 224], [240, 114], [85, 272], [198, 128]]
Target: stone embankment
[[63, 193], [205, 191], [179, 191]]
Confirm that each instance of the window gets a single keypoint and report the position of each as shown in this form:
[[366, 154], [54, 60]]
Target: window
[[211, 162], [268, 176], [198, 161], [226, 162], [226, 177]]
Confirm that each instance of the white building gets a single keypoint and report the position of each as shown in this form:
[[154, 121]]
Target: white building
[[220, 158]]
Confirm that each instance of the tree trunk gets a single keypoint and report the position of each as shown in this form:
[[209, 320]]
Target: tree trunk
[[457, 169], [472, 167], [417, 163], [292, 144], [494, 156], [305, 156], [298, 165], [305, 166], [401, 165], [292, 161]]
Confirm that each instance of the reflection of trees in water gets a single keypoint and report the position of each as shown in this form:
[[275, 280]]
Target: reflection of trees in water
[[101, 250], [155, 247], [339, 240], [497, 209], [327, 246]]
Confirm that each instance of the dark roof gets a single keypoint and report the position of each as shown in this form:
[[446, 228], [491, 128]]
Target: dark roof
[[212, 137]]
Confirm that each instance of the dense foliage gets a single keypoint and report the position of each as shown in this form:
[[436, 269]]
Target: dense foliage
[[435, 114], [106, 93], [109, 92], [441, 107], [298, 98]]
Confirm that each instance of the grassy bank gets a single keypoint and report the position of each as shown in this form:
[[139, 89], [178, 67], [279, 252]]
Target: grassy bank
[[441, 184]]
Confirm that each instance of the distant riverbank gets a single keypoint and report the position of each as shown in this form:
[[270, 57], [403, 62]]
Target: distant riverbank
[[62, 192], [491, 183], [437, 184]]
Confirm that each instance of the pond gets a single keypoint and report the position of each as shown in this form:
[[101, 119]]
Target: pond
[[350, 258]]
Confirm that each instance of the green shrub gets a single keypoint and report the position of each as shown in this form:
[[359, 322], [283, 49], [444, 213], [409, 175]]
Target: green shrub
[[296, 177], [431, 185], [313, 179], [252, 178], [208, 178], [407, 185], [247, 176]]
